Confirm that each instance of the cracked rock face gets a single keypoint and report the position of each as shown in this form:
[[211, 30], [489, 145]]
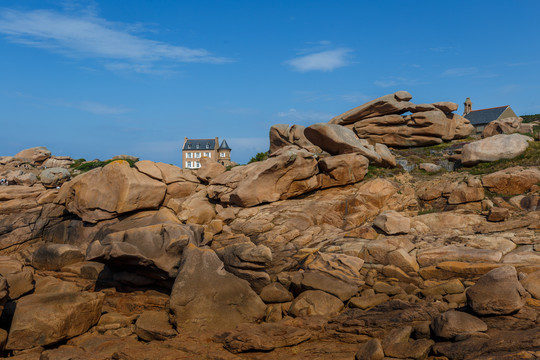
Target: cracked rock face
[[205, 295], [104, 193]]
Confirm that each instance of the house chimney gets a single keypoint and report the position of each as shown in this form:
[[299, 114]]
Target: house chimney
[[468, 106]]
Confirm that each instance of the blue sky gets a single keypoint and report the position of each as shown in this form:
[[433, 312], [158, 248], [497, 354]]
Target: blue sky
[[95, 79]]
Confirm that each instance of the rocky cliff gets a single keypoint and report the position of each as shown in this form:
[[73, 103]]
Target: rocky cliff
[[308, 254]]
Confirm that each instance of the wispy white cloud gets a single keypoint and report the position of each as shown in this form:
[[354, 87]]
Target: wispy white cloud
[[458, 72], [327, 60], [441, 48], [92, 107], [295, 115], [397, 81], [356, 97], [385, 83], [87, 35], [98, 108]]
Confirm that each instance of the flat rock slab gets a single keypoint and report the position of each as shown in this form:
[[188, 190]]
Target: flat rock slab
[[154, 325], [452, 323], [43, 319], [453, 253], [495, 148], [497, 293], [204, 295], [263, 337]]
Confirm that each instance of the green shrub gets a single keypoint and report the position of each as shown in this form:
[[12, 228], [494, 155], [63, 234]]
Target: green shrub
[[259, 157]]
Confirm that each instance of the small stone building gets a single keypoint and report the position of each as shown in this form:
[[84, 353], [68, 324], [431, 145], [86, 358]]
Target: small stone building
[[194, 150], [480, 118]]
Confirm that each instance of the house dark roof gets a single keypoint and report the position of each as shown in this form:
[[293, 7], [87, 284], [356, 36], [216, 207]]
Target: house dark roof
[[200, 144], [485, 116], [224, 145]]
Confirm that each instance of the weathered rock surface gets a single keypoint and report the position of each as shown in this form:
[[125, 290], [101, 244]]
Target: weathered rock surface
[[497, 293], [532, 284], [315, 302], [503, 126], [396, 103], [209, 169], [392, 222], [452, 323], [56, 256], [290, 173], [371, 350], [35, 155], [512, 181], [104, 193], [342, 169], [43, 319], [263, 337], [154, 325], [248, 261], [282, 135], [147, 240], [204, 295], [494, 148], [418, 129], [337, 140], [53, 177]]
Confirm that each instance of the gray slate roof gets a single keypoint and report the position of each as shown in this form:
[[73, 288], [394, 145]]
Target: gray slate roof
[[224, 145], [200, 144], [485, 116]]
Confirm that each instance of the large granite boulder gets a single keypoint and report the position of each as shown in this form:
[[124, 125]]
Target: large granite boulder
[[418, 129], [498, 292], [206, 296], [532, 284], [20, 279], [282, 135], [291, 172], [336, 139], [154, 325], [153, 241], [47, 318], [503, 126], [336, 274], [263, 337], [495, 148], [396, 103], [512, 181], [209, 169], [53, 177], [21, 177], [315, 302], [56, 256], [58, 162], [452, 323], [342, 169], [35, 155], [392, 222], [247, 261], [104, 193]]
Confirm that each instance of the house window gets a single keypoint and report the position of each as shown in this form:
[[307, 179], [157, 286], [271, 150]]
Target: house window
[[208, 146], [189, 146], [207, 154], [222, 154], [197, 146], [188, 164], [189, 155], [197, 164], [197, 154]]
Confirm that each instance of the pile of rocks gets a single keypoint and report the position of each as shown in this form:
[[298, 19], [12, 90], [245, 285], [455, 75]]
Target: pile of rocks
[[296, 256], [381, 121]]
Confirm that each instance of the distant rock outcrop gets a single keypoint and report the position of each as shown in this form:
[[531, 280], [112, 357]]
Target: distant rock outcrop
[[494, 148], [381, 121]]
